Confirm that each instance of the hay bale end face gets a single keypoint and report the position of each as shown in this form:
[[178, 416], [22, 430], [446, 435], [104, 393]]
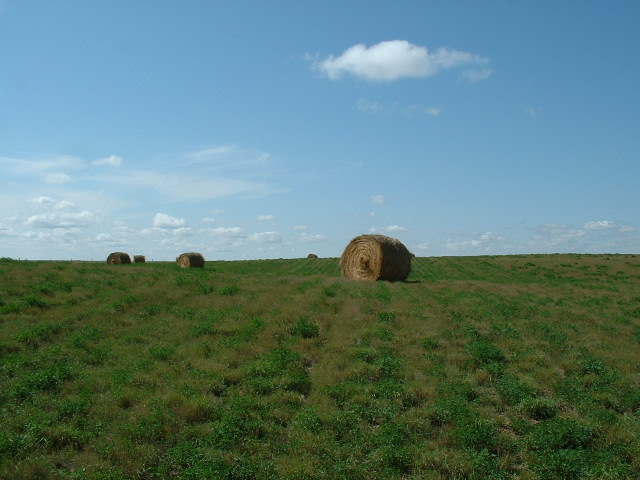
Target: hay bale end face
[[118, 258], [139, 259], [191, 260], [376, 257]]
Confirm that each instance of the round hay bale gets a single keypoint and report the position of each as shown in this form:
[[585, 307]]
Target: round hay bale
[[139, 259], [118, 258], [190, 260], [376, 257], [312, 255]]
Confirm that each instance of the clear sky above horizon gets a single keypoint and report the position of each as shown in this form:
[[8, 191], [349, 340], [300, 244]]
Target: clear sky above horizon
[[247, 130]]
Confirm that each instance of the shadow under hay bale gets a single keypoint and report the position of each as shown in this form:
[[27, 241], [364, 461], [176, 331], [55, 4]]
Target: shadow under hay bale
[[118, 258], [191, 260], [376, 257], [312, 255], [139, 259]]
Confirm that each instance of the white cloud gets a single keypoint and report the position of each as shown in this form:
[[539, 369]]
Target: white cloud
[[162, 220], [262, 218], [433, 111], [312, 238], [600, 225], [112, 161], [183, 231], [64, 204], [395, 228], [553, 235], [267, 237], [300, 227], [378, 199], [396, 59], [228, 232], [61, 220], [532, 112], [43, 200], [485, 243], [57, 178]]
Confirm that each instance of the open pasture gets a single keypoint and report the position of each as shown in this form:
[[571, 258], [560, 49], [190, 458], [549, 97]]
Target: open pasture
[[522, 367]]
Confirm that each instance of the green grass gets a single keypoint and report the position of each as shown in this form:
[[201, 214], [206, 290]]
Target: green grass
[[512, 367]]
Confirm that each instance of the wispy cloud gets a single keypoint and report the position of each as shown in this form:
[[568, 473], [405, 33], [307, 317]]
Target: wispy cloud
[[312, 238], [396, 59], [57, 178], [111, 161], [378, 199], [264, 218], [485, 243], [375, 107], [600, 225], [267, 237]]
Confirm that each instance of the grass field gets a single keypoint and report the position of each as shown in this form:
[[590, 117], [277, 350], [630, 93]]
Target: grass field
[[504, 367]]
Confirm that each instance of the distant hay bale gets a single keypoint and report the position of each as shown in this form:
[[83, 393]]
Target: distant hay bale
[[118, 258], [376, 257], [312, 255], [190, 260], [139, 259]]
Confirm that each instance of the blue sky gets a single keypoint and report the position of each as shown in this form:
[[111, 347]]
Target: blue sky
[[248, 130]]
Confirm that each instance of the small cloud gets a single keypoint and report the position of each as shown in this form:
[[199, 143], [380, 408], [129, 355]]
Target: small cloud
[[43, 200], [378, 199], [112, 161], [226, 232], [312, 238], [300, 227], [600, 225], [395, 59], [532, 112], [433, 111], [370, 106], [267, 237], [473, 76], [263, 218], [396, 228], [485, 243], [165, 221], [183, 231], [57, 178], [627, 229]]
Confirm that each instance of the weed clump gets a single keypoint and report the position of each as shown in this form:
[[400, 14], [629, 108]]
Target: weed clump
[[305, 328]]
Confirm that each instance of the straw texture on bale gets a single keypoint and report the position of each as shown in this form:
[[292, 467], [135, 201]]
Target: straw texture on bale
[[139, 259], [190, 260], [376, 257], [118, 258]]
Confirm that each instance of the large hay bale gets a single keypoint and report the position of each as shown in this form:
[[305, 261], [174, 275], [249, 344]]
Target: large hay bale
[[139, 259], [376, 257], [118, 258], [190, 260], [312, 255]]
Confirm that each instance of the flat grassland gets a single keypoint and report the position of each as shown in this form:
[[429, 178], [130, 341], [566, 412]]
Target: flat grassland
[[503, 367]]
